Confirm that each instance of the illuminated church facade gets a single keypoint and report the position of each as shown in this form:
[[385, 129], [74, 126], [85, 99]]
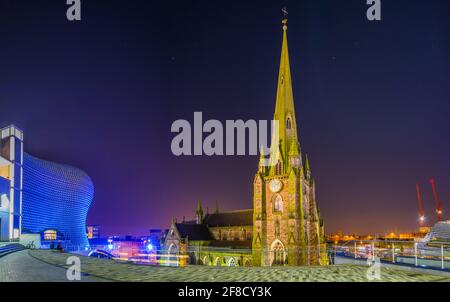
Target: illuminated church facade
[[284, 227]]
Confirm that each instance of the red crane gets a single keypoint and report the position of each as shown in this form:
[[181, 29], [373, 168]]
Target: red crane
[[419, 198], [438, 203]]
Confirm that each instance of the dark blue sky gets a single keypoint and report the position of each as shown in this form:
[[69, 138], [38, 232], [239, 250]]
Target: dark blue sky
[[372, 101]]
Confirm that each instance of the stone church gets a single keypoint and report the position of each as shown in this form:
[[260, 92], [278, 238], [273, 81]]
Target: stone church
[[284, 227]]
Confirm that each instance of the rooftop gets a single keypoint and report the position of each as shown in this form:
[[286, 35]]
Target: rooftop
[[196, 232], [234, 218]]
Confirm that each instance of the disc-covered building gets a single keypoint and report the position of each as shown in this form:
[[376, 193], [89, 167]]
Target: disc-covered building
[[41, 197]]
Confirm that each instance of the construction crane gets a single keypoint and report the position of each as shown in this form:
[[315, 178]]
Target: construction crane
[[421, 213], [436, 199]]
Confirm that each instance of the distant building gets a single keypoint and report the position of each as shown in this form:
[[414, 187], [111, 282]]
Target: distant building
[[440, 232], [219, 239], [424, 230], [126, 247], [340, 237], [93, 231], [156, 238]]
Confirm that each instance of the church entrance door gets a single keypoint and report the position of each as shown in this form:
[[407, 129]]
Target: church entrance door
[[278, 253]]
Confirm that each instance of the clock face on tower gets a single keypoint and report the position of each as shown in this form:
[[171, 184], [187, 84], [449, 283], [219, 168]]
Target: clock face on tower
[[275, 185]]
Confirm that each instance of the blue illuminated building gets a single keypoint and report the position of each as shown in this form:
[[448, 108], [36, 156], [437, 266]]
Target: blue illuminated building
[[41, 197], [56, 197]]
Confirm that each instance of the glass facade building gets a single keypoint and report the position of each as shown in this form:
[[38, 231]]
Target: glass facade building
[[56, 197], [11, 159]]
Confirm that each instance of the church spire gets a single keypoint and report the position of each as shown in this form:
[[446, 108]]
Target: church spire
[[284, 108], [216, 211], [307, 168], [199, 213], [262, 161]]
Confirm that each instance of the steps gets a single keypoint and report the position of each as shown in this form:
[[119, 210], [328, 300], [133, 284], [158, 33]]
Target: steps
[[10, 248], [440, 232]]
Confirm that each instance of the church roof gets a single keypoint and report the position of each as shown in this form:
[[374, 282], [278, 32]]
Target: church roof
[[234, 244], [235, 218], [196, 232]]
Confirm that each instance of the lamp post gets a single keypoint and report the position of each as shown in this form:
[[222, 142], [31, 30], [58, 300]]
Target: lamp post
[[415, 253], [393, 252]]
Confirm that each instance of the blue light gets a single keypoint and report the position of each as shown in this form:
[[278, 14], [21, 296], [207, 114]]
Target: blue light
[[149, 247], [57, 197]]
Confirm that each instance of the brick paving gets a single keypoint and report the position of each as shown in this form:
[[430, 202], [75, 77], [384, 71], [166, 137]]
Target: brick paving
[[117, 271], [21, 267]]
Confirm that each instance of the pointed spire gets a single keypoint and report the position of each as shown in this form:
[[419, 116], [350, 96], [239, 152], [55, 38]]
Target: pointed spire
[[307, 169], [199, 213], [199, 207], [261, 155], [262, 161], [284, 108], [216, 211]]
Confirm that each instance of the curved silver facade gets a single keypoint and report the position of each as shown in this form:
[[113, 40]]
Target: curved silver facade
[[57, 197]]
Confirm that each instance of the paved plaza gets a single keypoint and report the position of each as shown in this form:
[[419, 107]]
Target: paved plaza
[[44, 265], [50, 266], [21, 267]]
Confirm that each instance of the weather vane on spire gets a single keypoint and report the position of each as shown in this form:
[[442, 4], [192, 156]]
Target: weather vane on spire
[[285, 12]]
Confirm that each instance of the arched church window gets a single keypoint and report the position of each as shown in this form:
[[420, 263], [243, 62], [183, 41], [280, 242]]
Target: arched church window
[[288, 124]]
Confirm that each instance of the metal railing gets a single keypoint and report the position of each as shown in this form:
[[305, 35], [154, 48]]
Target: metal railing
[[434, 254]]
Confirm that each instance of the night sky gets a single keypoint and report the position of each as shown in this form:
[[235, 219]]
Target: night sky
[[372, 101]]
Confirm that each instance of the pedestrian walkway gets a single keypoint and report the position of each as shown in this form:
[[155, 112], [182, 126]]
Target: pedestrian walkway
[[112, 270], [22, 267]]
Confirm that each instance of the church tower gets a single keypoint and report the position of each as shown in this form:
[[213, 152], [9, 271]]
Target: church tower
[[287, 227]]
